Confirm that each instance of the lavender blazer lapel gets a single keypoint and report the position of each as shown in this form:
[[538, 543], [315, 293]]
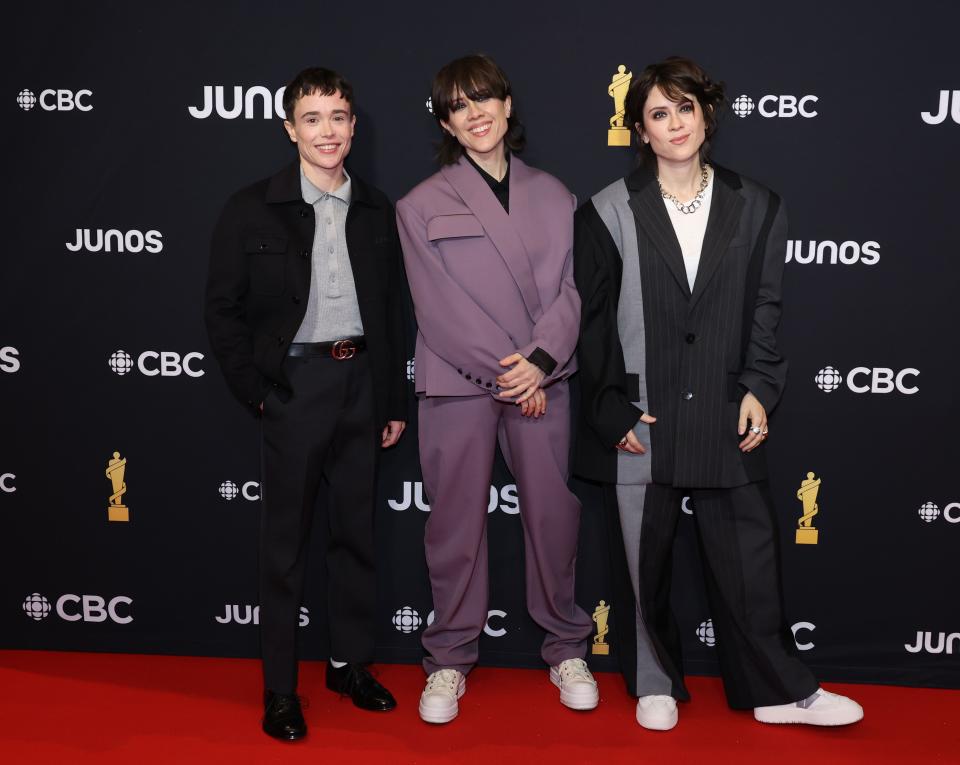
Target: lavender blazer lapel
[[499, 227]]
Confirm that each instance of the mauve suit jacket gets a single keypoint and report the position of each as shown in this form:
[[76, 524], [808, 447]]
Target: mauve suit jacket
[[486, 284]]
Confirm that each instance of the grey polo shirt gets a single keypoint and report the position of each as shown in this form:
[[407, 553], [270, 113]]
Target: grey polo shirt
[[332, 309]]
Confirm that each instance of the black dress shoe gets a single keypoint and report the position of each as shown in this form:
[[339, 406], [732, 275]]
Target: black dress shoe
[[355, 681], [282, 717]]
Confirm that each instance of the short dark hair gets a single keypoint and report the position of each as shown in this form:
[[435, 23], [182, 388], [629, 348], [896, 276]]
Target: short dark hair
[[476, 76], [675, 76], [313, 80]]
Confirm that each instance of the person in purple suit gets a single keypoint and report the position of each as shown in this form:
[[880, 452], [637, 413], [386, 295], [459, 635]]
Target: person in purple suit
[[487, 242]]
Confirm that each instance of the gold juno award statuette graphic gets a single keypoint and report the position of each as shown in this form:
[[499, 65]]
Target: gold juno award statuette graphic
[[116, 467], [619, 134], [807, 494], [600, 615]]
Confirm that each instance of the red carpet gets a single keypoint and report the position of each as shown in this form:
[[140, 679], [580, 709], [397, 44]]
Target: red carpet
[[107, 708]]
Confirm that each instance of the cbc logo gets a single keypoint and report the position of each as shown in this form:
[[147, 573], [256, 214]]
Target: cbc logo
[[930, 511], [707, 636], [257, 101], [407, 620], [867, 380], [924, 642], [847, 253], [505, 499], [114, 240], [153, 363], [77, 608], [429, 104], [56, 100], [943, 108], [9, 359], [247, 614], [776, 106], [249, 491], [7, 483], [488, 628], [412, 370]]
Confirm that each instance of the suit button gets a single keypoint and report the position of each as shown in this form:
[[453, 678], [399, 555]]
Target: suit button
[[490, 385], [687, 395], [303, 213], [305, 253], [263, 245], [459, 371], [691, 337], [279, 341], [468, 377], [296, 300]]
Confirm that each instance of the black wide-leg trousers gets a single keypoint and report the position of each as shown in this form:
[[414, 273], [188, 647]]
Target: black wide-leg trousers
[[321, 438], [739, 548]]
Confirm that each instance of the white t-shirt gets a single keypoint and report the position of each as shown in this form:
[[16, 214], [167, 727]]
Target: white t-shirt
[[690, 228]]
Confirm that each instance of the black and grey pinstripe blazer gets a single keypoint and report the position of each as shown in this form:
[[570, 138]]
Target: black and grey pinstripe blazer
[[702, 349]]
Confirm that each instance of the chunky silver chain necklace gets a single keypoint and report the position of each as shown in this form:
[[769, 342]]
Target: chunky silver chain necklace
[[696, 202]]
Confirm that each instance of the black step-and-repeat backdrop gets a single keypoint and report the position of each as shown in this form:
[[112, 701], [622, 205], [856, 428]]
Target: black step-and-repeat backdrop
[[129, 477]]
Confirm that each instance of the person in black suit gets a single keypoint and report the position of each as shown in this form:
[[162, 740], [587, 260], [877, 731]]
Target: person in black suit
[[304, 314], [679, 269]]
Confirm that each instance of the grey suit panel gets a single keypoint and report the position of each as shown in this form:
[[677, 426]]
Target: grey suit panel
[[650, 675]]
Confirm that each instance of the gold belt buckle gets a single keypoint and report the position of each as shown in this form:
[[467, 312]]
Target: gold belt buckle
[[343, 350]]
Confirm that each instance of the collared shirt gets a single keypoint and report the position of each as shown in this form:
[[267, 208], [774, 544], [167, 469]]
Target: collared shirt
[[501, 188], [332, 309]]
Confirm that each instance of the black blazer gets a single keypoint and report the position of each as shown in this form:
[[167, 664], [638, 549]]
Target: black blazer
[[703, 349], [259, 281]]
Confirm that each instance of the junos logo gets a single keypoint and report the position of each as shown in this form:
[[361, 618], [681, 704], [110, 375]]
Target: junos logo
[[924, 642], [153, 363], [407, 620], [249, 490], [76, 608], [776, 106], [237, 614], [9, 359], [847, 253], [114, 240], [869, 380], [506, 499], [6, 483], [56, 100], [930, 511], [944, 108], [707, 636], [257, 101], [488, 628]]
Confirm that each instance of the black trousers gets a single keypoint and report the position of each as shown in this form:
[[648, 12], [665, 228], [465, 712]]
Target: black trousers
[[739, 548], [322, 438]]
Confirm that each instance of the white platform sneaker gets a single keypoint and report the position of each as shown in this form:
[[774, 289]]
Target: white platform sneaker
[[822, 708], [657, 712], [438, 702], [578, 689]]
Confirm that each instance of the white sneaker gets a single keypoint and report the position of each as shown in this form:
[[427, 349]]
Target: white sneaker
[[657, 712], [578, 689], [438, 702], [822, 708]]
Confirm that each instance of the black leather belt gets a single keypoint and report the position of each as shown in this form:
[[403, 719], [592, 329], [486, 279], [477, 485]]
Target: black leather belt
[[341, 350]]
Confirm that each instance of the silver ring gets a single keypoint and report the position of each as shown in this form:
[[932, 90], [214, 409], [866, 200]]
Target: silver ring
[[622, 442], [765, 432], [755, 429]]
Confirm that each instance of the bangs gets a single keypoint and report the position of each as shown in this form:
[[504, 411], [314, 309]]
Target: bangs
[[678, 89], [474, 76]]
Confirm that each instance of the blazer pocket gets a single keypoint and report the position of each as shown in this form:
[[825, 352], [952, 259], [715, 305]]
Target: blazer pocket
[[266, 262], [453, 227]]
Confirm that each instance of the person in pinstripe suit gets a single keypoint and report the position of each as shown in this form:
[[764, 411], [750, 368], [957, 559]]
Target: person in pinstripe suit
[[679, 269]]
